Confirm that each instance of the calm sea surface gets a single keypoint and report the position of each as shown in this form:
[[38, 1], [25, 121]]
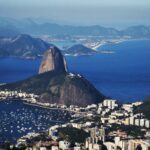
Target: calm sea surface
[[123, 75]]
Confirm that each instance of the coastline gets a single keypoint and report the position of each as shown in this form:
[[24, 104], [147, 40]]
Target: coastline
[[41, 106], [117, 42]]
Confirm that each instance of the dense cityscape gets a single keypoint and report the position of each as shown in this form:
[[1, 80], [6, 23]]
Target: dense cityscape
[[108, 124]]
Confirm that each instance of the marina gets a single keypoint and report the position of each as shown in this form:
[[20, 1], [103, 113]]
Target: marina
[[18, 119]]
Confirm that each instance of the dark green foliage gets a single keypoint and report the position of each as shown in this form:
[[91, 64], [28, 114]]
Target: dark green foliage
[[73, 134], [144, 108], [131, 130], [6, 146], [22, 148]]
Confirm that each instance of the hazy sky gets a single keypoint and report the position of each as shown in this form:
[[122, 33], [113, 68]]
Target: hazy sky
[[84, 12]]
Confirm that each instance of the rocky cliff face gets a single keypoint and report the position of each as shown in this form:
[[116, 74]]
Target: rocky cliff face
[[60, 88], [71, 89], [53, 61], [54, 84]]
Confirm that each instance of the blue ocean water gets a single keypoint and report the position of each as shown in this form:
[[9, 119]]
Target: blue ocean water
[[64, 44], [123, 75], [14, 69]]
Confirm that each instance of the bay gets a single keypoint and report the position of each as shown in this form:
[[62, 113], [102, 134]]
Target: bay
[[123, 75]]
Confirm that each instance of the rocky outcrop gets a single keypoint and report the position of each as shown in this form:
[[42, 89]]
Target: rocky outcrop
[[79, 49], [53, 61], [71, 89], [54, 84], [60, 88]]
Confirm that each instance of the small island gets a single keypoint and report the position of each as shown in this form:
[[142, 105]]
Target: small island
[[79, 50]]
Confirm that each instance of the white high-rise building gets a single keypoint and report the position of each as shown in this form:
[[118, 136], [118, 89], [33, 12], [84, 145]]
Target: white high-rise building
[[137, 122], [142, 122], [110, 103], [64, 145], [147, 123], [131, 120]]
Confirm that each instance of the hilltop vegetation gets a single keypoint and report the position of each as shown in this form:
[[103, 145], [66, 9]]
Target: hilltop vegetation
[[73, 134], [144, 108], [59, 87], [23, 46]]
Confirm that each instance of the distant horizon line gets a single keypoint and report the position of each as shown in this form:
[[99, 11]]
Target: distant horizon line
[[44, 20]]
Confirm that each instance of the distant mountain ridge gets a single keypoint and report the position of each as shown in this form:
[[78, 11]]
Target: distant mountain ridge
[[79, 49], [29, 26], [23, 46]]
